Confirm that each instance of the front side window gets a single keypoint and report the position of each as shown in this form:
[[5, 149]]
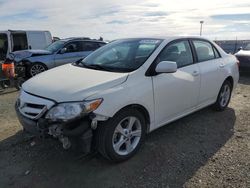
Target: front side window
[[55, 46], [204, 50], [121, 55], [179, 52]]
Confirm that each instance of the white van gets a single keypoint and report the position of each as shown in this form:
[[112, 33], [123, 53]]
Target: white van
[[11, 41]]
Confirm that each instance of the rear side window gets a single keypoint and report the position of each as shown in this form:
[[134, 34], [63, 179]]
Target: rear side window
[[19, 41], [73, 47], [89, 46], [204, 50], [179, 52]]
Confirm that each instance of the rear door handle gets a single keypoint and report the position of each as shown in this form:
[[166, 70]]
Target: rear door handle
[[222, 65], [195, 73]]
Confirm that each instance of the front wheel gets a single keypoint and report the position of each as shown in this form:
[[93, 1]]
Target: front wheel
[[224, 96], [119, 138], [36, 68]]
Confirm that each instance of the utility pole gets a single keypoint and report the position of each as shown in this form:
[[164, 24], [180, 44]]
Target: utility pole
[[201, 22]]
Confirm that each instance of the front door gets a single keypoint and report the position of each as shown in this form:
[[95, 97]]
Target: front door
[[71, 55], [176, 93]]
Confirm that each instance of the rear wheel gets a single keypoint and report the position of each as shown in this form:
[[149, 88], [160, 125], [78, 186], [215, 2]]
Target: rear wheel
[[119, 138], [36, 68], [224, 96]]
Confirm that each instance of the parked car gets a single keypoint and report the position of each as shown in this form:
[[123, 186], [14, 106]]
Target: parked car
[[58, 53], [243, 55], [111, 99], [14, 40]]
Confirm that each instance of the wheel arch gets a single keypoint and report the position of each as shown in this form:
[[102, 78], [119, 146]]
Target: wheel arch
[[231, 80], [141, 109], [38, 62]]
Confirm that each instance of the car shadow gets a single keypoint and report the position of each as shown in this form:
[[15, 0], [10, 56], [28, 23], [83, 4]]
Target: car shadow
[[170, 156]]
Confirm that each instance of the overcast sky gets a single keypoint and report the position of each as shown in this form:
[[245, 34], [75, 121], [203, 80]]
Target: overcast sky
[[112, 19]]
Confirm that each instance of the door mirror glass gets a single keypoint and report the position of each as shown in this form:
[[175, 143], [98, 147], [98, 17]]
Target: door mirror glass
[[63, 50], [166, 67]]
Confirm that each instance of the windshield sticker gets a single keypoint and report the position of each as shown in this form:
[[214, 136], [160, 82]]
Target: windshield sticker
[[149, 41]]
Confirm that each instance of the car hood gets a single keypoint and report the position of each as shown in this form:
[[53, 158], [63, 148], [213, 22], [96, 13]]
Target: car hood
[[72, 83], [243, 53], [19, 55]]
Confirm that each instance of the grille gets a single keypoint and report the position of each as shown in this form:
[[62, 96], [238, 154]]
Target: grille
[[33, 111], [33, 107]]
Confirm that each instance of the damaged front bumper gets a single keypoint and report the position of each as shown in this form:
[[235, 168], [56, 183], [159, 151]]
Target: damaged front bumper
[[67, 132]]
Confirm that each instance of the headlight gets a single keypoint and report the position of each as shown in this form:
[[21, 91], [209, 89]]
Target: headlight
[[72, 110]]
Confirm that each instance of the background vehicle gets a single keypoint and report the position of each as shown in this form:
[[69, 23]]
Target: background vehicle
[[11, 75], [14, 40], [244, 57], [127, 88], [58, 53]]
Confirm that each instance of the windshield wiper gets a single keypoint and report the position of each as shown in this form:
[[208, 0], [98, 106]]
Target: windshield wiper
[[94, 66], [101, 67]]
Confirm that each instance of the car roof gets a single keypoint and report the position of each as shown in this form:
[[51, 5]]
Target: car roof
[[81, 38], [169, 38]]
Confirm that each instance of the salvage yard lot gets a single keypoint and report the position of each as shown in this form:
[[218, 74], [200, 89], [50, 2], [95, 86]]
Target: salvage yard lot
[[205, 149]]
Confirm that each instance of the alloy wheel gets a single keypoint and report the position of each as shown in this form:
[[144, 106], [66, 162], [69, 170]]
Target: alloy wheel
[[36, 69], [127, 135], [225, 95]]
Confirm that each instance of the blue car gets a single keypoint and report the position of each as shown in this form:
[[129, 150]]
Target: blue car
[[58, 53]]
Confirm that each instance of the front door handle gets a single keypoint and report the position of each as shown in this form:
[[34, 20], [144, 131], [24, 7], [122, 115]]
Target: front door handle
[[195, 73]]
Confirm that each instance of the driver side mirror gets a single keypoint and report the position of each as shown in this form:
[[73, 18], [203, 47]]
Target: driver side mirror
[[166, 67], [63, 50], [240, 48]]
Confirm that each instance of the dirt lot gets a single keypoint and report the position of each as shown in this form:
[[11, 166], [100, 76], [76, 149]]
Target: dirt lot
[[205, 149]]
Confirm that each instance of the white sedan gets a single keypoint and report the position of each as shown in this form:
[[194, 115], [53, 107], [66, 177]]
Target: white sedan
[[110, 100]]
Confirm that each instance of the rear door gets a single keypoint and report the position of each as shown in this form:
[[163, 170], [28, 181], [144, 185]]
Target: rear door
[[208, 60], [176, 93]]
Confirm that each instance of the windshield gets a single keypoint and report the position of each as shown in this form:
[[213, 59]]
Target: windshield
[[247, 47], [121, 55], [55, 46]]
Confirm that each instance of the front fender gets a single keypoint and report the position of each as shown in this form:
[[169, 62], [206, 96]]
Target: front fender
[[47, 60], [133, 91]]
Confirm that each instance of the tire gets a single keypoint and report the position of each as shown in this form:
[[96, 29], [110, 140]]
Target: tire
[[118, 146], [224, 96], [36, 68]]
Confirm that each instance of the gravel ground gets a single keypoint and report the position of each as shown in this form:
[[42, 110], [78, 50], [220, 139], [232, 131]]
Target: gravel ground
[[205, 149]]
